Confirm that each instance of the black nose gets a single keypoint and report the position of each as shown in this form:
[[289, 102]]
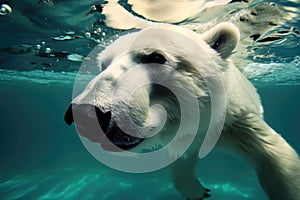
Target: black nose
[[84, 114], [69, 116]]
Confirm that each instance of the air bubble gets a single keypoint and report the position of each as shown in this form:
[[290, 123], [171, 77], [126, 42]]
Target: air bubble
[[38, 46], [103, 34], [48, 50], [94, 8], [5, 9], [272, 4], [88, 34], [99, 30]]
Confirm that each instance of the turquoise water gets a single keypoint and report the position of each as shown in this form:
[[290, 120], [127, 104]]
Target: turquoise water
[[43, 158]]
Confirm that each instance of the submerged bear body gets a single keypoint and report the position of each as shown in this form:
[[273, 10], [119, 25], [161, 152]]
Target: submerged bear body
[[150, 75]]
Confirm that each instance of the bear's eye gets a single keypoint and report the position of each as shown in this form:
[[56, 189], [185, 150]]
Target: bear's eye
[[153, 58]]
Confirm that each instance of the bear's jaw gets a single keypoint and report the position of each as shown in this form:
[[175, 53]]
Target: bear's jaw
[[98, 127], [120, 139]]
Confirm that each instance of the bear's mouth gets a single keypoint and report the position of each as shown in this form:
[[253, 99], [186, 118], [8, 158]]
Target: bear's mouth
[[98, 127]]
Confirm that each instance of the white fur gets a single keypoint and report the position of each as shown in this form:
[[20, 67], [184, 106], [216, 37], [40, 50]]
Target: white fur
[[245, 132]]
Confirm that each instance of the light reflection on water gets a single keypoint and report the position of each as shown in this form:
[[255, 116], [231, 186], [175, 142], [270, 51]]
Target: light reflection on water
[[73, 184]]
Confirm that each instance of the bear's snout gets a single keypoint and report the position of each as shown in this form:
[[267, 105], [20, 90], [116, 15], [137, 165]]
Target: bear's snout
[[69, 116], [94, 124], [89, 120], [86, 113]]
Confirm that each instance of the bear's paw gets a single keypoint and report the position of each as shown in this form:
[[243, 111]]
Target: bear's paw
[[205, 195]]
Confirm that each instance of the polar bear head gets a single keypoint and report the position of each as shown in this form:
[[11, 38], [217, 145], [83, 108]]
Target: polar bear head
[[152, 81]]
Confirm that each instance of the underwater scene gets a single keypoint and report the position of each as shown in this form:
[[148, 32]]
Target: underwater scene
[[43, 45]]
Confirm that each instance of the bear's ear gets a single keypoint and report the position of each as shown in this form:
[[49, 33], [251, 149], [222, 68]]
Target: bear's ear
[[223, 38]]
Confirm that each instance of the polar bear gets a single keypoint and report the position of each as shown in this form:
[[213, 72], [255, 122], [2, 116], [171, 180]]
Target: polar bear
[[155, 53]]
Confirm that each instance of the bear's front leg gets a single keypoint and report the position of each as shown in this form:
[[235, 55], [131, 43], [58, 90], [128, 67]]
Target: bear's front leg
[[185, 180], [276, 163]]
